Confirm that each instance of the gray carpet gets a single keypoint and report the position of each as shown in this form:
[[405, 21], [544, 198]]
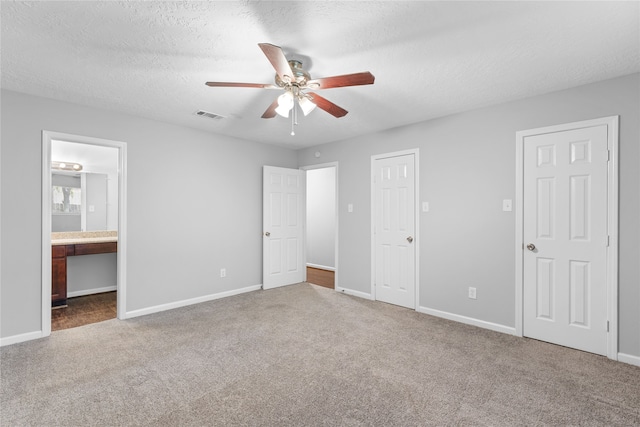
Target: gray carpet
[[303, 355]]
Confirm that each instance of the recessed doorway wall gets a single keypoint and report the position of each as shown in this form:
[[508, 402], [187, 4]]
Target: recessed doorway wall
[[322, 224]]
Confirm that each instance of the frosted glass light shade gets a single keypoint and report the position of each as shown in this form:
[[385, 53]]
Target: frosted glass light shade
[[306, 104], [285, 104]]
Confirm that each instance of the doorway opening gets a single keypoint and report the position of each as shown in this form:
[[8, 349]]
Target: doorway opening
[[321, 232], [83, 230]]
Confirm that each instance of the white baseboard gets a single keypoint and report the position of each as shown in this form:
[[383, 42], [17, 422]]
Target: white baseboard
[[354, 293], [183, 303], [15, 339], [468, 320], [627, 358], [91, 291], [321, 267]]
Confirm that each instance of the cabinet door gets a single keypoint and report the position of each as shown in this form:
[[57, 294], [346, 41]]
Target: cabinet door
[[58, 279]]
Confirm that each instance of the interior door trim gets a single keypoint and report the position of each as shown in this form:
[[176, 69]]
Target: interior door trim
[[612, 124], [416, 178], [47, 137]]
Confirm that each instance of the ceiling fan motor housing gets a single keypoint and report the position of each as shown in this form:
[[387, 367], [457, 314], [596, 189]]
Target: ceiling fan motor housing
[[300, 76]]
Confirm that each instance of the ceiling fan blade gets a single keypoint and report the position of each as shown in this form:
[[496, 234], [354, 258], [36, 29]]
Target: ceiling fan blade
[[327, 105], [253, 85], [278, 60], [357, 79], [271, 111]]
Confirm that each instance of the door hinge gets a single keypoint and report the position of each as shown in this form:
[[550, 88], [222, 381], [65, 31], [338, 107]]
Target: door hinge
[[608, 240], [608, 155], [607, 326]]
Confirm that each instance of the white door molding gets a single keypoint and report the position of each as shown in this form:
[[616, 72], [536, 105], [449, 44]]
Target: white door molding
[[415, 152], [612, 222], [47, 137]]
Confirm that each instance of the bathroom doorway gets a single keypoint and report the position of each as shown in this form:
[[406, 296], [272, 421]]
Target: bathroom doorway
[[322, 224], [84, 230]]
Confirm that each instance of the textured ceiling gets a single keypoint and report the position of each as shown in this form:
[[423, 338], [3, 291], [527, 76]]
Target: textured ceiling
[[430, 59]]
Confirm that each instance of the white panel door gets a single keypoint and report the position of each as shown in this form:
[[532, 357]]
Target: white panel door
[[283, 232], [565, 238], [394, 228]]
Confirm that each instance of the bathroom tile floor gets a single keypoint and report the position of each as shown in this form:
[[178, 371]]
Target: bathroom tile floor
[[84, 310]]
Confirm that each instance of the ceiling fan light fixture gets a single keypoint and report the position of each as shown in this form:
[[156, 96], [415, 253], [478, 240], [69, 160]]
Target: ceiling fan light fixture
[[306, 105], [285, 104]]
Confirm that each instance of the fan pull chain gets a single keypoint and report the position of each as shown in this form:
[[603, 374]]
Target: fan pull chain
[[294, 117]]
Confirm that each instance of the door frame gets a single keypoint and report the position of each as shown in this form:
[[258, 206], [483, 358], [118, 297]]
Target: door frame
[[416, 199], [337, 219], [612, 124], [121, 286]]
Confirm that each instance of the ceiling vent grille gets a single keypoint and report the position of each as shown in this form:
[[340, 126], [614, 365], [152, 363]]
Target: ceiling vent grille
[[209, 115]]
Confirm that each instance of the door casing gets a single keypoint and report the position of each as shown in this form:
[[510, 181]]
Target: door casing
[[47, 137], [612, 223], [416, 241]]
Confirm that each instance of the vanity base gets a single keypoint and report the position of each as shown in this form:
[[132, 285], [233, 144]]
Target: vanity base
[[59, 254]]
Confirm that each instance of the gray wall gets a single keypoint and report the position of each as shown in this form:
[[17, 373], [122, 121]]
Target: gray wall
[[467, 167], [87, 273], [185, 222], [96, 198], [321, 216]]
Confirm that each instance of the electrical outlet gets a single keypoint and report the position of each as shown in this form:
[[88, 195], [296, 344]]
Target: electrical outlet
[[223, 272], [472, 292]]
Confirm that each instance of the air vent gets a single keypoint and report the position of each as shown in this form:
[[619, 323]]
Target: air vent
[[209, 115]]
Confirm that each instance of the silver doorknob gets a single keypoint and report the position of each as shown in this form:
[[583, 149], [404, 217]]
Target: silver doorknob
[[267, 234], [531, 246], [409, 239]]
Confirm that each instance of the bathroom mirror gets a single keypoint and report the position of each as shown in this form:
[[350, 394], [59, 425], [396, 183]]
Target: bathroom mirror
[[79, 202], [86, 200]]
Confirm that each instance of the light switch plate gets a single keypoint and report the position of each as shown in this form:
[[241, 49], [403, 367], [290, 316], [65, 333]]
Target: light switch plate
[[350, 207], [425, 206], [507, 205]]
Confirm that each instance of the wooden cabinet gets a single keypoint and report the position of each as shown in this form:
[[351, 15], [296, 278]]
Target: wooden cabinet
[[58, 276], [95, 248], [59, 254]]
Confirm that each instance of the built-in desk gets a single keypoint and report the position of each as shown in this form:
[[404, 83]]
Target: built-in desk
[[65, 244]]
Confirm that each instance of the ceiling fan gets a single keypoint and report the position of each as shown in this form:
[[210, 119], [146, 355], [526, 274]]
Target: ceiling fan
[[295, 81]]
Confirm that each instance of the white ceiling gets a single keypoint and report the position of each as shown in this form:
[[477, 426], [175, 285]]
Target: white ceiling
[[430, 59]]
